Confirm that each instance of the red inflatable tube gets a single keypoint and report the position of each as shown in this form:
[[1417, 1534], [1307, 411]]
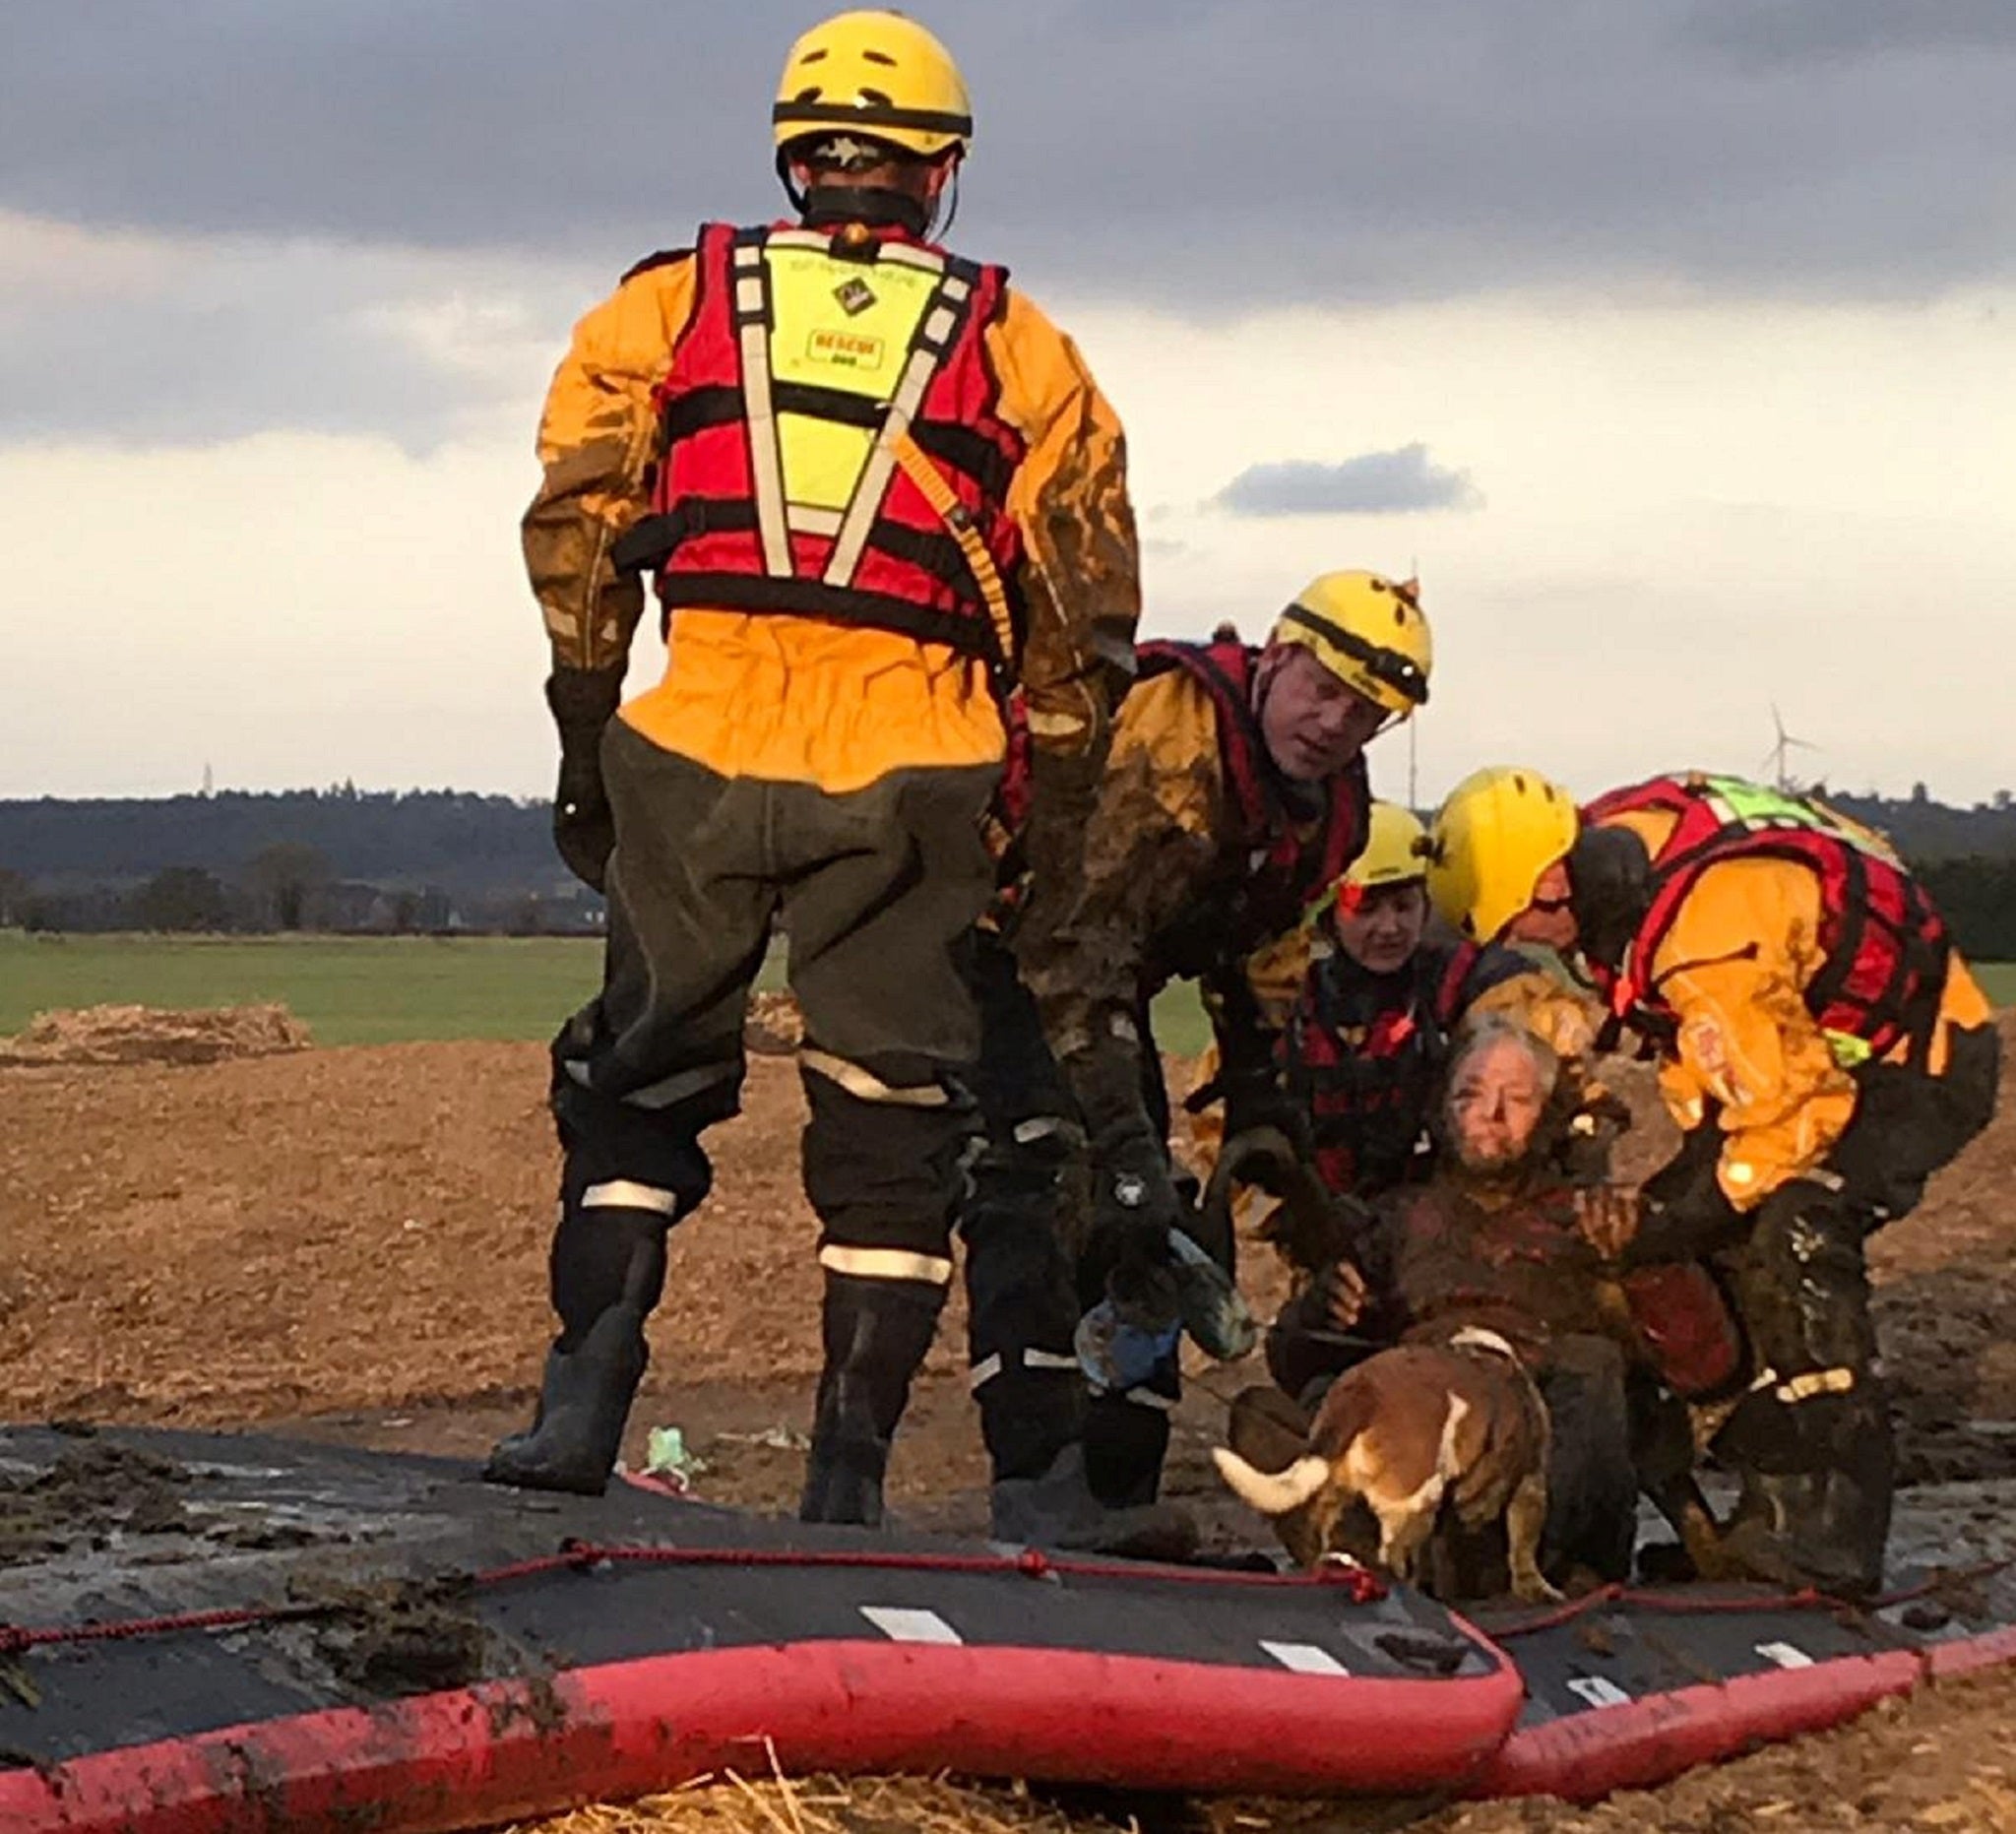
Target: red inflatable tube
[[1945, 1661], [1587, 1755], [507, 1749]]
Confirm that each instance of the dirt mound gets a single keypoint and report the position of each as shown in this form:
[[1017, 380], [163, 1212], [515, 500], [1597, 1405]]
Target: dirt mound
[[97, 1034]]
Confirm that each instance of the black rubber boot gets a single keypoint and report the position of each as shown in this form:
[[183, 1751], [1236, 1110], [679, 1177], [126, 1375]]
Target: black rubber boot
[[608, 1270], [1125, 1443], [876, 1332], [584, 1403], [1057, 1509], [1801, 1522], [1811, 1438]]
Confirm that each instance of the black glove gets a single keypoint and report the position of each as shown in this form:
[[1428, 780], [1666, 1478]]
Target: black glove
[[1682, 1213], [584, 826], [1134, 1207]]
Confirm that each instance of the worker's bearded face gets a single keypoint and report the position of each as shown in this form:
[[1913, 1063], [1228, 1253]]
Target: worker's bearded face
[[1381, 928], [1313, 725], [1498, 1095]]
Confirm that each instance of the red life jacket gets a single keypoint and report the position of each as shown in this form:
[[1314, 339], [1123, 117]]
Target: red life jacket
[[1362, 1055], [722, 531], [1885, 946], [1285, 862]]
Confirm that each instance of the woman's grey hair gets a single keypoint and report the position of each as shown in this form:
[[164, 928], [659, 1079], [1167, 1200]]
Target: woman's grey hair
[[1485, 1031]]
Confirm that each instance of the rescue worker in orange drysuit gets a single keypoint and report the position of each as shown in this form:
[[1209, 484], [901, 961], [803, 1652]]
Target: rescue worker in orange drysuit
[[878, 493], [1235, 791], [1826, 1050]]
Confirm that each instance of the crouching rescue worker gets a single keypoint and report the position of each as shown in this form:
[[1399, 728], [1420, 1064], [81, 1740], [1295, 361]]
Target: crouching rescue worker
[[1826, 1050], [1234, 792], [1364, 1050], [878, 490]]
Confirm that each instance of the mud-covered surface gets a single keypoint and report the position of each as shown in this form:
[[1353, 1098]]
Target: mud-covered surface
[[352, 1243], [94, 1491], [399, 1636]]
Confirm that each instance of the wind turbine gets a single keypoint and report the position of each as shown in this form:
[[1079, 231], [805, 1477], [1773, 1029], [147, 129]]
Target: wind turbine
[[1777, 758]]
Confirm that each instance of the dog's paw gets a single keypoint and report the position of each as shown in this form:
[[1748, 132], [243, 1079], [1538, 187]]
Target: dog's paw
[[1532, 1589]]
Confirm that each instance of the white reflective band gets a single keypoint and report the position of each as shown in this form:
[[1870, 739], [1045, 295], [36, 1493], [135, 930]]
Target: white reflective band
[[906, 1624], [678, 1086], [1785, 1655], [810, 519], [982, 1372], [1148, 1398], [1599, 1690], [1041, 1127], [1816, 1382], [930, 1270], [927, 353], [1303, 1658], [749, 294], [766, 462], [628, 1194], [866, 1086]]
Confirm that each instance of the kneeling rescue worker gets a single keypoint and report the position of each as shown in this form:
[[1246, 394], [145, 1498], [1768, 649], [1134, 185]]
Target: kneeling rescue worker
[[879, 492], [1826, 1050], [1234, 792], [1365, 1048]]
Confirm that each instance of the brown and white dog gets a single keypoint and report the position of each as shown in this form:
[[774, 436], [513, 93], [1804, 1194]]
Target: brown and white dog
[[1424, 1429]]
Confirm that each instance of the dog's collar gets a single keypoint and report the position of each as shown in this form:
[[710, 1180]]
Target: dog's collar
[[1477, 1337]]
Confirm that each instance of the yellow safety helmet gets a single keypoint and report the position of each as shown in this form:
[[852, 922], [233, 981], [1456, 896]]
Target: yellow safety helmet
[[1496, 835], [878, 74], [1396, 854], [1368, 631]]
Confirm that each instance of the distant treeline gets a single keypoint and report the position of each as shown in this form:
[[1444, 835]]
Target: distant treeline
[[334, 859], [348, 860]]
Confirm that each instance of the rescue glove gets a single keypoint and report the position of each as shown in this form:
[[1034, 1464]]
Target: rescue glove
[[1135, 1209], [1682, 1214], [1162, 1276], [1254, 1099], [582, 701]]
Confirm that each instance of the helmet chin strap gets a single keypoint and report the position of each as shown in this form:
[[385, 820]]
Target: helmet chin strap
[[826, 206]]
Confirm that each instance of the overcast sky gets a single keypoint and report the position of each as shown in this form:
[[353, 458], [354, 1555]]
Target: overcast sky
[[1671, 340]]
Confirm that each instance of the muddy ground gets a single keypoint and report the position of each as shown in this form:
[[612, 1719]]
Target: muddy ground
[[351, 1242]]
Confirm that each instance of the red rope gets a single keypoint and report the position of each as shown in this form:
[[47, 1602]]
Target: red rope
[[1359, 1585]]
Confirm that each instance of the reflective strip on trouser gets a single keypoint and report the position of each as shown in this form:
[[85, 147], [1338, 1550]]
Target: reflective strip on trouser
[[1016, 1361], [865, 1086], [629, 1194], [929, 1270]]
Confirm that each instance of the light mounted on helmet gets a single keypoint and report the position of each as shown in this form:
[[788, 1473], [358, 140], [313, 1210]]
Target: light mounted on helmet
[[1367, 631], [1392, 667]]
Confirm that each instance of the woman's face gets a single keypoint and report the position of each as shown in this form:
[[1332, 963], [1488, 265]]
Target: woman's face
[[1383, 929]]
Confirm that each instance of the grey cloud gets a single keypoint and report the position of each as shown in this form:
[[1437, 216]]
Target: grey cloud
[[1790, 32], [1373, 483], [1197, 153], [208, 343]]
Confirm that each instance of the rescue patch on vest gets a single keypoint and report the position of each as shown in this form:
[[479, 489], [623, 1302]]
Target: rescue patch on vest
[[845, 349], [856, 297]]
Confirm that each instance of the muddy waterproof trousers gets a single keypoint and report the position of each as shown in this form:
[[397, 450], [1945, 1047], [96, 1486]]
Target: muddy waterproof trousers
[[874, 891], [1811, 1438], [1022, 1306]]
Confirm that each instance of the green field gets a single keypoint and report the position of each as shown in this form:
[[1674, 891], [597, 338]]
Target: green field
[[370, 990]]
